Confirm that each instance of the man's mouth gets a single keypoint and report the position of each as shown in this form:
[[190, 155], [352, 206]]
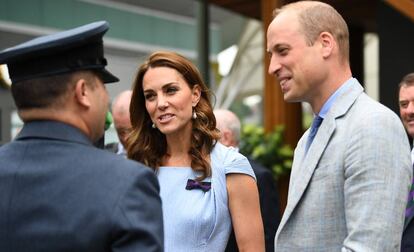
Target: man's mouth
[[284, 84]]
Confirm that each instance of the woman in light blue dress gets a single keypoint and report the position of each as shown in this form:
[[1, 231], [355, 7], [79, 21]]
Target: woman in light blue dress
[[206, 188]]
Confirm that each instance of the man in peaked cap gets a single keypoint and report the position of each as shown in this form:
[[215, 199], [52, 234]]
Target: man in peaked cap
[[57, 191]]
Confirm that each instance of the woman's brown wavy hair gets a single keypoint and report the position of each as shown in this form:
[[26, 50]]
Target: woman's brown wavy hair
[[148, 145]]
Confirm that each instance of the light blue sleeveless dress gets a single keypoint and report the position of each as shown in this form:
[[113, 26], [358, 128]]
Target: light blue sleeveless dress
[[195, 220]]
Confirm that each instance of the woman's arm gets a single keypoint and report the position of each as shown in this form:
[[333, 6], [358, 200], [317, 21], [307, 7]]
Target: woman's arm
[[244, 209]]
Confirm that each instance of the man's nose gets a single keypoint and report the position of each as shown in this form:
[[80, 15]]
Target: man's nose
[[410, 107], [274, 65]]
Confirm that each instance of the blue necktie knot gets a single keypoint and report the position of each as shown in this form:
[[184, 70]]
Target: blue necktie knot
[[314, 129]]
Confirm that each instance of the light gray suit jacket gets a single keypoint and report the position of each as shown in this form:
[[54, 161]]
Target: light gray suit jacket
[[349, 192]]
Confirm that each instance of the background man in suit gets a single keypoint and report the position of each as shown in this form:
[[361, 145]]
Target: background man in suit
[[57, 191], [229, 125], [406, 104], [122, 121], [348, 187]]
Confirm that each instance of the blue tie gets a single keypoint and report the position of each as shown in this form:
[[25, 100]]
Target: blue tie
[[314, 128]]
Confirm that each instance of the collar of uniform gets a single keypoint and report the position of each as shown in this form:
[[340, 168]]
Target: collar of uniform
[[52, 130]]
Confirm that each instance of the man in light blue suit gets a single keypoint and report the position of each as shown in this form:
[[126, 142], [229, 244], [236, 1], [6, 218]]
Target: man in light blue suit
[[350, 180]]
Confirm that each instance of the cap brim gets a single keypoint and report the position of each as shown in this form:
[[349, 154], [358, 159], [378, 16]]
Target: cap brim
[[106, 76]]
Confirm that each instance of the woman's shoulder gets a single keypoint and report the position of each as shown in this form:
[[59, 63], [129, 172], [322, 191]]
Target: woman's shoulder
[[224, 153], [230, 160]]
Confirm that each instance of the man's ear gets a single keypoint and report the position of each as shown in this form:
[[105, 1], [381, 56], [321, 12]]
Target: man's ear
[[328, 43], [82, 92], [226, 138]]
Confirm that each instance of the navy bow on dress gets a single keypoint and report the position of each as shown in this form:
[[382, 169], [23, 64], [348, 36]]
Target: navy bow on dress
[[194, 184]]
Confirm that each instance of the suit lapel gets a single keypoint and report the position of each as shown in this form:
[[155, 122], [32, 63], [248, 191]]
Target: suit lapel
[[305, 168], [304, 164], [408, 222]]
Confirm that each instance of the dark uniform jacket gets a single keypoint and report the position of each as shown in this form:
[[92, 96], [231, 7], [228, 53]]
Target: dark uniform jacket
[[60, 193]]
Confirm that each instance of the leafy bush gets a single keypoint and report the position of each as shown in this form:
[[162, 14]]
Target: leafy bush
[[267, 149]]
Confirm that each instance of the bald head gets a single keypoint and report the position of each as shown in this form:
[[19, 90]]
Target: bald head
[[120, 113], [229, 125], [317, 17]]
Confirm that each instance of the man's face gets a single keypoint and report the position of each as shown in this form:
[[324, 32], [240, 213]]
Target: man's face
[[123, 127], [406, 103], [99, 108], [293, 62]]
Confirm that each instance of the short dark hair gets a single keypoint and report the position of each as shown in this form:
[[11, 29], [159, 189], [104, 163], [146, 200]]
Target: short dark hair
[[407, 80], [45, 92]]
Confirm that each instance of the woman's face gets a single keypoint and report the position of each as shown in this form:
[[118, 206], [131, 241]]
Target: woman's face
[[169, 100]]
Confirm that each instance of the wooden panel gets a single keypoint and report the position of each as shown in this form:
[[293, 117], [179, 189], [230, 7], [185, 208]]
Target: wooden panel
[[355, 12], [276, 110], [404, 6], [249, 8]]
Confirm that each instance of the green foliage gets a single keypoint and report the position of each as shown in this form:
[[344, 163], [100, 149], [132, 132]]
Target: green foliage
[[268, 149]]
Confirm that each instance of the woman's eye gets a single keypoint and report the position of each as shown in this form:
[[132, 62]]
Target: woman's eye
[[149, 96], [171, 90]]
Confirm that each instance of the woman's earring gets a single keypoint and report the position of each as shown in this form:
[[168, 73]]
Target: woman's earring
[[194, 115], [153, 126]]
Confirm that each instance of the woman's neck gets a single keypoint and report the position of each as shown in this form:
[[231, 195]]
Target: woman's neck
[[178, 146]]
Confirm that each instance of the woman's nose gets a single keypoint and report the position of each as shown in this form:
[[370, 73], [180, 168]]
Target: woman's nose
[[162, 103]]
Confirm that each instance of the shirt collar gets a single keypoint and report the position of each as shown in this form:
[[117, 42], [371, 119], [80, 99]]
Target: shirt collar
[[328, 104], [412, 155], [121, 150]]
